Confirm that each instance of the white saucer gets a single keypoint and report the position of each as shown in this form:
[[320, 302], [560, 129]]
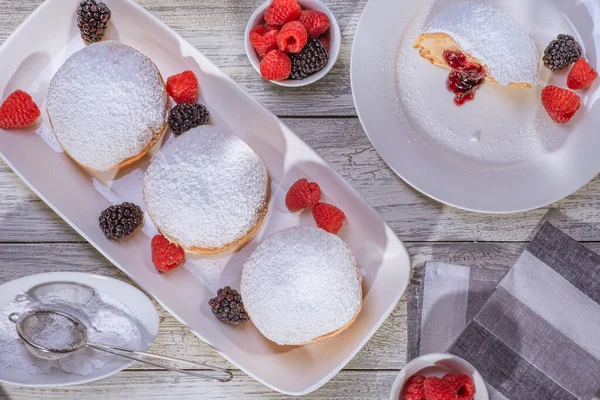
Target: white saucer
[[139, 304], [497, 154]]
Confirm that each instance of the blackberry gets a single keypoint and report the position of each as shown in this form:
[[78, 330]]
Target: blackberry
[[562, 52], [185, 116], [92, 20], [119, 221], [310, 60], [229, 307]]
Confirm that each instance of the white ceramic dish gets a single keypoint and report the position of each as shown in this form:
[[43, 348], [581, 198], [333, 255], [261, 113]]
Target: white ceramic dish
[[499, 153], [30, 58], [335, 40], [438, 364], [139, 304]]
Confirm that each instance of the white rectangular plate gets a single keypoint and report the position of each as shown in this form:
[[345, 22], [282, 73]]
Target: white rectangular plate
[[32, 55]]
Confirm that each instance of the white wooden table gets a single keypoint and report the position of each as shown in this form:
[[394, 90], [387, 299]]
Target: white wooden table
[[33, 239]]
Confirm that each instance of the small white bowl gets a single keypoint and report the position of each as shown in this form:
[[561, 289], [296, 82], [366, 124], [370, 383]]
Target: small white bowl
[[439, 364], [335, 39]]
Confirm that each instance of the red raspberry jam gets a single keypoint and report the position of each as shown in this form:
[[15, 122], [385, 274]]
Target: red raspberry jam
[[465, 78]]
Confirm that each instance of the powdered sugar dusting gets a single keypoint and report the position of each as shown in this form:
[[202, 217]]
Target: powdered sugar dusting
[[106, 192], [107, 319], [53, 331], [299, 284], [106, 104], [493, 37], [206, 270], [207, 189], [47, 135]]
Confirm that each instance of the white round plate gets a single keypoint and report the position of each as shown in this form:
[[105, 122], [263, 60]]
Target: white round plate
[[500, 153], [439, 364], [139, 304]]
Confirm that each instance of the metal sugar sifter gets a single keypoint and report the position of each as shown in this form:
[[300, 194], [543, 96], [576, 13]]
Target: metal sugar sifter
[[52, 335]]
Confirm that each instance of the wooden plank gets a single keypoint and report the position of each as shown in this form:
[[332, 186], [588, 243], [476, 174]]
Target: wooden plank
[[144, 385], [342, 142], [217, 29], [24, 217], [386, 350]]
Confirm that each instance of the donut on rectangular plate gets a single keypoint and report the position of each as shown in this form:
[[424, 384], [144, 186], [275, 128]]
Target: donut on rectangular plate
[[107, 105], [301, 285], [208, 191]]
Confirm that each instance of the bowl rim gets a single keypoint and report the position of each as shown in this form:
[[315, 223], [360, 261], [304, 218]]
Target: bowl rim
[[335, 36], [401, 378]]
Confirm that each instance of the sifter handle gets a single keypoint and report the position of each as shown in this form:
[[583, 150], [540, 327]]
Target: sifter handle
[[123, 352]]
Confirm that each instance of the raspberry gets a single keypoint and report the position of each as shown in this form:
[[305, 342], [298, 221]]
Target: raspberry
[[276, 66], [315, 22], [282, 11], [302, 194], [414, 389], [560, 104], [292, 37], [581, 76], [264, 39], [166, 255], [18, 111], [437, 389], [462, 384], [183, 87], [328, 217], [324, 39]]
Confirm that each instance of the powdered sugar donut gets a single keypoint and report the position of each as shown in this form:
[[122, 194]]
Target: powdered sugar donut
[[488, 36], [207, 191], [301, 285], [107, 105]]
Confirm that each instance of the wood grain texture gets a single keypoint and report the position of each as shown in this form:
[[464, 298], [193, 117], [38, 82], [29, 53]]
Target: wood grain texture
[[144, 385], [217, 29], [342, 143]]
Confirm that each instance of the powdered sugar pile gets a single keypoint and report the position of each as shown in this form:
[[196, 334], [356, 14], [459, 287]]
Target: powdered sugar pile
[[108, 321], [299, 284], [494, 38], [52, 331], [207, 189], [47, 136], [107, 103]]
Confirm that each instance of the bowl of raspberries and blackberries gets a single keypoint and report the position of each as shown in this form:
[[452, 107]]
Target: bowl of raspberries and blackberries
[[292, 42]]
